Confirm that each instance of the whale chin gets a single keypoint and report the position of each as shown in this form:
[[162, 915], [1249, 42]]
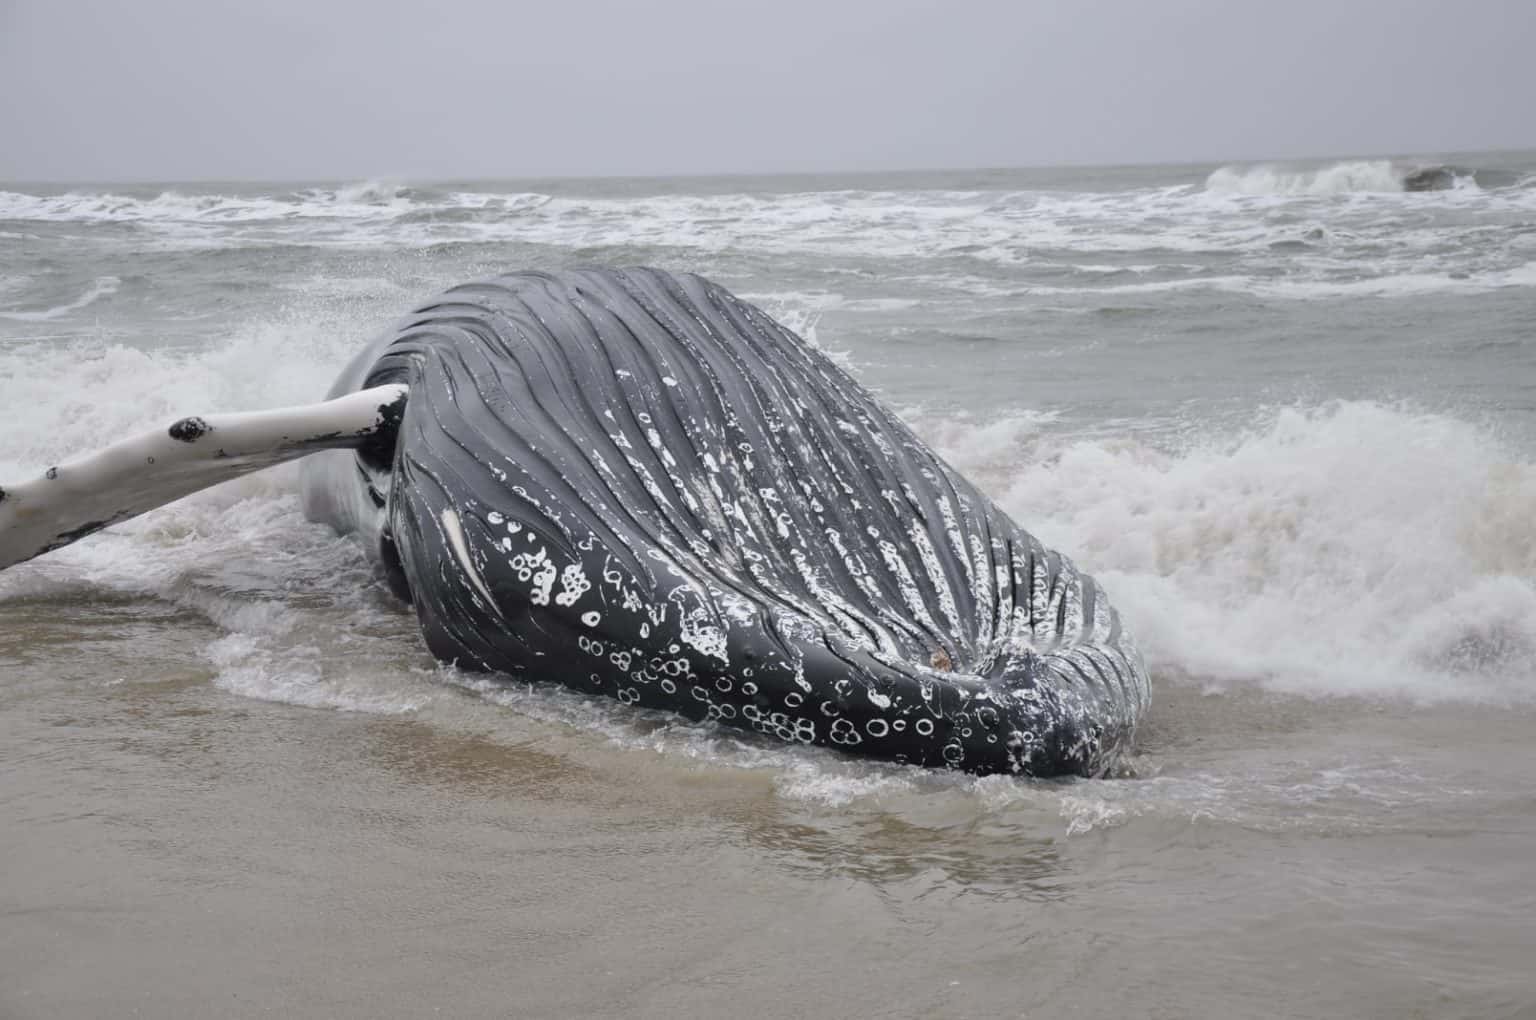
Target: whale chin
[[635, 484]]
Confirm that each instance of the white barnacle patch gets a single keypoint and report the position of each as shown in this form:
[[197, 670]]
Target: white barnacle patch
[[573, 585], [737, 610], [527, 563], [535, 566], [591, 619], [668, 380], [543, 582], [878, 700], [698, 632], [843, 732]]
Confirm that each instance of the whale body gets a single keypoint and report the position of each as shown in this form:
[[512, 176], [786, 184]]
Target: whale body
[[640, 486]]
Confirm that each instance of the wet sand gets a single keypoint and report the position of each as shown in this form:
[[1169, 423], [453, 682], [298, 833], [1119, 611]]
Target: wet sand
[[173, 849]]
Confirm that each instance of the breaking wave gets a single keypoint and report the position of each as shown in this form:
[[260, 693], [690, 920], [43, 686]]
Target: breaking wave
[[363, 200], [1377, 175], [1353, 548]]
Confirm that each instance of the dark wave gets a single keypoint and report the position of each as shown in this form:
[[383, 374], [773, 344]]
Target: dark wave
[[1447, 177]]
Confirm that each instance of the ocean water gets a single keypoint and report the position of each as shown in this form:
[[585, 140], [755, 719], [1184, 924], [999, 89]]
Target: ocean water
[[1285, 413]]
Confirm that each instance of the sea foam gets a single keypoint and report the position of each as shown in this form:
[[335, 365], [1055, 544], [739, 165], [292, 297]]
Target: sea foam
[[1352, 548]]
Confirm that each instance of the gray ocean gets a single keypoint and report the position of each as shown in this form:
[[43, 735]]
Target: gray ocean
[[1285, 413]]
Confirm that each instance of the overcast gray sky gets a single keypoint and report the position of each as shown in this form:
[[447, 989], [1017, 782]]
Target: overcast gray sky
[[185, 89]]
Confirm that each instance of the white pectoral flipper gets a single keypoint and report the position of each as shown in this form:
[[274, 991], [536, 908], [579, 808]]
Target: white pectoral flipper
[[137, 474]]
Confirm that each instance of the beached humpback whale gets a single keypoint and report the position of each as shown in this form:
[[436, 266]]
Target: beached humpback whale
[[640, 486]]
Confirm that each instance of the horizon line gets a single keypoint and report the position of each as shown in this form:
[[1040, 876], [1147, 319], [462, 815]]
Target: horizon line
[[728, 174]]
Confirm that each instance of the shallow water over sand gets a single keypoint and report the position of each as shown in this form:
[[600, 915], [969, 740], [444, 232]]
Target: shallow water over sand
[[181, 850]]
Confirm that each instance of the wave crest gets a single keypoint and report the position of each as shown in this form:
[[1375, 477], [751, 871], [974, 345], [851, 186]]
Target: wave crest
[[102, 286], [1348, 177]]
